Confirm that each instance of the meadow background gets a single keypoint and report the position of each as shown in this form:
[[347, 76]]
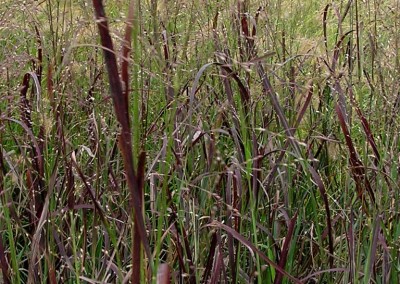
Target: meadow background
[[216, 142]]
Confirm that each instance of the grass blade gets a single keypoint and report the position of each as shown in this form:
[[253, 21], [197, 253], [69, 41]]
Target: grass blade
[[285, 249], [250, 246], [122, 114]]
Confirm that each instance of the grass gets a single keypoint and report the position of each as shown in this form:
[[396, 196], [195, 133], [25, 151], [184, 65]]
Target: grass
[[199, 141]]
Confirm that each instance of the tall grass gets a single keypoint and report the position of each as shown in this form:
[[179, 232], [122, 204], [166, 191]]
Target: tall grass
[[199, 141]]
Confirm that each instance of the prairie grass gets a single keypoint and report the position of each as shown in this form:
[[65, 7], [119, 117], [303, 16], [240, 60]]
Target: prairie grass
[[199, 141]]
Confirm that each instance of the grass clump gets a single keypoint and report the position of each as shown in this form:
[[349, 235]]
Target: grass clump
[[199, 142]]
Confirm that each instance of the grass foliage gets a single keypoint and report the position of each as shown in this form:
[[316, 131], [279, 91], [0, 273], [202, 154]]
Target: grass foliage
[[197, 141]]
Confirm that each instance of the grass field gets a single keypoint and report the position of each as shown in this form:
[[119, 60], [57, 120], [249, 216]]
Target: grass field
[[198, 141]]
